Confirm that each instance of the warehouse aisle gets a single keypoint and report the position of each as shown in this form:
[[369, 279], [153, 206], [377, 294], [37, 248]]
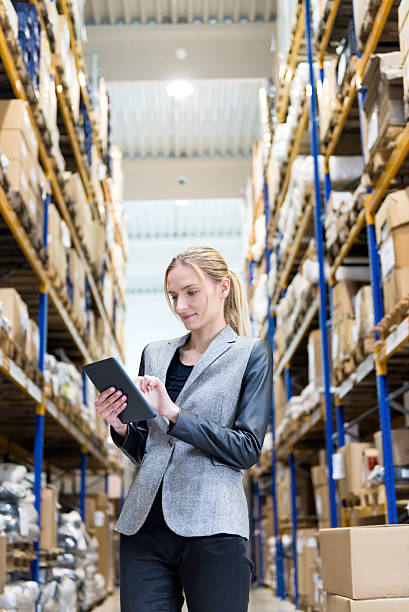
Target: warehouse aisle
[[261, 600]]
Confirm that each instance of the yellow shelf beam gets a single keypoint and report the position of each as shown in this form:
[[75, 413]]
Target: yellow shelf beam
[[329, 25], [15, 81], [292, 63]]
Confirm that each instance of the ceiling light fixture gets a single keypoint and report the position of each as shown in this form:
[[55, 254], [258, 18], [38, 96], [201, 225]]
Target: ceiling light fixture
[[179, 89]]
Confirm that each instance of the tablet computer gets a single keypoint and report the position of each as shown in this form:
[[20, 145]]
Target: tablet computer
[[109, 373]]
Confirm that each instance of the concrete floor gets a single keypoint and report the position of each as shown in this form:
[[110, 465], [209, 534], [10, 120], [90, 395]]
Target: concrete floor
[[261, 600]]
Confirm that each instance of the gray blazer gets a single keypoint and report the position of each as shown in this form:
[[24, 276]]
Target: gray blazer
[[202, 490]]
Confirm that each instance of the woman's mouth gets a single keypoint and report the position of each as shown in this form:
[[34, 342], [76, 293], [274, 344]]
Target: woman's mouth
[[188, 317]]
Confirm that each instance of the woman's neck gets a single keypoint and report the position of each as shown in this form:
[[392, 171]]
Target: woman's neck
[[201, 338]]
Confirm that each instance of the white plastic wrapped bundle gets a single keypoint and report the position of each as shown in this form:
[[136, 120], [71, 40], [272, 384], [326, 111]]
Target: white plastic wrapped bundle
[[12, 472], [281, 143], [344, 169], [259, 246], [48, 601], [272, 277], [297, 89], [260, 303], [67, 595], [20, 595]]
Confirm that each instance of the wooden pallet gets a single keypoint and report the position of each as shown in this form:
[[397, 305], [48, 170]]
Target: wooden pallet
[[393, 319], [380, 154]]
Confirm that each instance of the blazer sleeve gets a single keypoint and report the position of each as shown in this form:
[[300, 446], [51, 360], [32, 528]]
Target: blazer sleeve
[[134, 443], [239, 446]]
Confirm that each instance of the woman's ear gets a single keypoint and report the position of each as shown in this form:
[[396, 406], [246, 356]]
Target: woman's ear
[[225, 287]]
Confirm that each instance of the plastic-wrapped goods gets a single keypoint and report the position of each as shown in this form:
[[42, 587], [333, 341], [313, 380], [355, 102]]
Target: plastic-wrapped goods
[[286, 15], [260, 300], [258, 248], [273, 274], [297, 89], [67, 591], [20, 595], [344, 169], [12, 472]]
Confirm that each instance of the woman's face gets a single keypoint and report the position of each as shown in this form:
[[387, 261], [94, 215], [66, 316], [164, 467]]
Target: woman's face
[[197, 301]]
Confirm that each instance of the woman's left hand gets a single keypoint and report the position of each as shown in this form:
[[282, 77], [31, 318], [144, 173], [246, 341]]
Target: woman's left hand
[[156, 395]]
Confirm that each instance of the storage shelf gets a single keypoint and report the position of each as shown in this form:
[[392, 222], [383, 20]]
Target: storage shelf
[[6, 56], [292, 60], [328, 30], [298, 337]]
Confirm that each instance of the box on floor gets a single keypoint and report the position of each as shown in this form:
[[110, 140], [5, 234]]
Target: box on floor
[[336, 603], [370, 562]]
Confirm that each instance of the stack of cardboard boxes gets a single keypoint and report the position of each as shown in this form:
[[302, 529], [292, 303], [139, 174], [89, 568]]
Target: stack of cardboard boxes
[[65, 60], [309, 570], [24, 331], [99, 522], [19, 144], [383, 106], [392, 233], [365, 569], [319, 475], [315, 371]]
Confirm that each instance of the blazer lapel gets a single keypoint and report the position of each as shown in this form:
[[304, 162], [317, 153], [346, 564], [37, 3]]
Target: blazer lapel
[[216, 348]]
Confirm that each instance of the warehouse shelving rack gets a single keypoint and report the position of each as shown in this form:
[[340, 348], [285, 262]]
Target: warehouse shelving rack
[[33, 416], [346, 401]]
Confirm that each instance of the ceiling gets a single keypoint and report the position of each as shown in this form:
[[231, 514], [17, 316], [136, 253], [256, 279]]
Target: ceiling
[[158, 230], [226, 54], [152, 12], [148, 124]]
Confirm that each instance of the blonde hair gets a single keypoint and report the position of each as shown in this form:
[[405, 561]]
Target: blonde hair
[[205, 260]]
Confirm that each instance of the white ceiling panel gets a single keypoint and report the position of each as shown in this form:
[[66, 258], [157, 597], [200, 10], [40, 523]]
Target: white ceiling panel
[[220, 119], [151, 12], [158, 230]]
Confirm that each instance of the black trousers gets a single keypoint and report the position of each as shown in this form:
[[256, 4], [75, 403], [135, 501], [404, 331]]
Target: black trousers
[[157, 567]]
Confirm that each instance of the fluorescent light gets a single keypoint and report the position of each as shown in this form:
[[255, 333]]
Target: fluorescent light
[[182, 202], [179, 89]]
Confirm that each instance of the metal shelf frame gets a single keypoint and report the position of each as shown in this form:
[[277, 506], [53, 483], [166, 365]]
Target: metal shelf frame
[[7, 59], [374, 365]]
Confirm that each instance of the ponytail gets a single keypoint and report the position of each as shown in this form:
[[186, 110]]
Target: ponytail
[[205, 260]]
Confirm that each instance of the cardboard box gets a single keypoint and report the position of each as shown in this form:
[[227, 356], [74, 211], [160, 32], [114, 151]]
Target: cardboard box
[[14, 116], [308, 560], [319, 475], [104, 535], [62, 40], [395, 288], [56, 247], [400, 446], [48, 532], [343, 300], [364, 313], [383, 106], [352, 483], [32, 342], [393, 213], [3, 561], [90, 509], [370, 562], [336, 603], [13, 307]]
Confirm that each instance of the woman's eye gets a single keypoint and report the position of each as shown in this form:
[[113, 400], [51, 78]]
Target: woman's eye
[[192, 292], [175, 297]]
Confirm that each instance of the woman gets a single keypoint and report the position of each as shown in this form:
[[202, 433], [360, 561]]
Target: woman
[[184, 523]]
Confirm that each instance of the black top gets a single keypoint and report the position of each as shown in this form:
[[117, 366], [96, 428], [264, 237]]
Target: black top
[[176, 377]]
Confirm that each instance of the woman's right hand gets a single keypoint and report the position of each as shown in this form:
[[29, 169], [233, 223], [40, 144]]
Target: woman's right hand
[[109, 405]]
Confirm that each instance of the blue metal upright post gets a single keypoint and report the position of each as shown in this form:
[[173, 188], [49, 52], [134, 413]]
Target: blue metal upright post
[[84, 456], [291, 463], [40, 408], [381, 375], [295, 524], [329, 425]]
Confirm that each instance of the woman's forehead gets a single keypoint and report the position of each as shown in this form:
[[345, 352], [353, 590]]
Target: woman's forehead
[[182, 275]]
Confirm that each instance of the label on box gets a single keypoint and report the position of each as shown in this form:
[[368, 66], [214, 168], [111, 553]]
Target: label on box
[[99, 518], [338, 466], [387, 254], [24, 520], [373, 127], [318, 504]]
